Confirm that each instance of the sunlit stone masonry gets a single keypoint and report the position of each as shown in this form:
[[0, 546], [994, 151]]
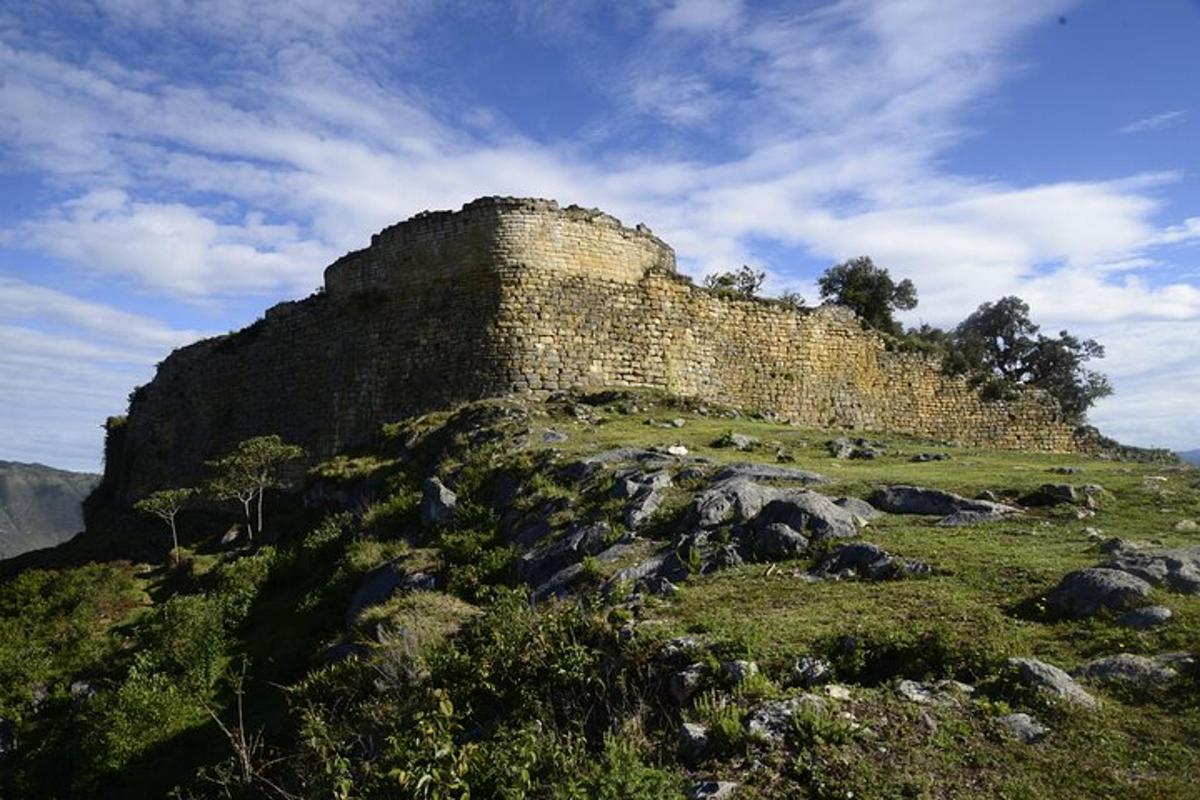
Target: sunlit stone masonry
[[512, 295]]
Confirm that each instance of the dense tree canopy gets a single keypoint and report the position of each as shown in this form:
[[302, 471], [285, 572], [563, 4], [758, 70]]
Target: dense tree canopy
[[744, 282], [1001, 348], [870, 291]]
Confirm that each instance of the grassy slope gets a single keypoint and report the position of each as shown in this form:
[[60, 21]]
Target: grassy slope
[[973, 612]]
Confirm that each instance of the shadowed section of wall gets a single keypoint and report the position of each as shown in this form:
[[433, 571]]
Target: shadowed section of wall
[[518, 295]]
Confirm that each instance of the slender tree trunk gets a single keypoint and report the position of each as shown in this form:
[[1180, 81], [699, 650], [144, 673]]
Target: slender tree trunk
[[249, 520], [174, 541], [261, 492]]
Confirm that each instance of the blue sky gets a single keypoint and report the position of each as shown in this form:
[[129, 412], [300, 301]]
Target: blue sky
[[168, 169]]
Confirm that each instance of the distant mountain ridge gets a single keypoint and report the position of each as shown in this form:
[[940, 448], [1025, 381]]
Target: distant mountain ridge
[[40, 506], [1191, 456]]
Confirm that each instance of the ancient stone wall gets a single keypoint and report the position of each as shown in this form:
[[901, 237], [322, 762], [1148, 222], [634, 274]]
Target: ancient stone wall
[[512, 295]]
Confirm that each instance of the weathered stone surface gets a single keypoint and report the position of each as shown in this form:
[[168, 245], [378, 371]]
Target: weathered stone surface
[[712, 790], [812, 671], [1050, 680], [1177, 569], [859, 508], [729, 500], [1022, 727], [1145, 618], [971, 517], [770, 721], [1084, 592], [538, 566], [934, 693], [777, 540], [866, 560], [919, 500], [769, 473], [381, 583], [437, 502], [521, 296], [1051, 494], [1126, 668], [809, 513], [693, 742], [684, 685]]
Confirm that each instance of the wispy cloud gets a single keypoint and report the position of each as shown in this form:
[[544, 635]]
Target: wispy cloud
[[1155, 122]]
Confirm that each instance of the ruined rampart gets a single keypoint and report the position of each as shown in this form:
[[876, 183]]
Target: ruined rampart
[[512, 295]]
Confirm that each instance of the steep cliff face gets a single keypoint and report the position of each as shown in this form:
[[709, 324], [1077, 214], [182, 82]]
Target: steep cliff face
[[516, 295], [40, 506]]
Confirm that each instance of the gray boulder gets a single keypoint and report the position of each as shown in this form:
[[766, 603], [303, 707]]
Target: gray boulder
[[870, 561], [381, 583], [1084, 592], [934, 693], [812, 671], [694, 742], [1051, 494], [735, 499], [1145, 618], [919, 500], [1126, 668], [437, 502], [777, 540], [1050, 680], [971, 517], [539, 566], [859, 508], [1176, 568], [738, 670], [770, 472], [683, 685], [808, 513], [1022, 727], [632, 482], [712, 790], [771, 721]]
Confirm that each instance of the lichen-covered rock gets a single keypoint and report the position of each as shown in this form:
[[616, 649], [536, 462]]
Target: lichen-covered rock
[[870, 561], [1176, 568], [934, 693], [683, 685], [1085, 591], [1126, 668], [859, 508], [712, 790], [1145, 618], [738, 670], [1022, 727], [770, 721], [1050, 680], [919, 500], [809, 513], [694, 742], [812, 671], [1051, 494], [777, 540], [770, 473], [537, 567], [437, 502]]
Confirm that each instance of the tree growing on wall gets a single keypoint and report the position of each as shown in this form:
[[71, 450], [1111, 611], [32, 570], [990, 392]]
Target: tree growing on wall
[[1000, 348], [744, 282], [166, 505], [869, 291], [249, 471]]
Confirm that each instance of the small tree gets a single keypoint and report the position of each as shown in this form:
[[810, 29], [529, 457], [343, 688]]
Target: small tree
[[792, 299], [166, 504], [869, 291], [252, 468], [744, 282]]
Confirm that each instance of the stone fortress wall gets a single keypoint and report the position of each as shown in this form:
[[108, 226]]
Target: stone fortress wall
[[519, 295]]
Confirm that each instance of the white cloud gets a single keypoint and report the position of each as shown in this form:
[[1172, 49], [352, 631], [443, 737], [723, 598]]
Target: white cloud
[[1157, 122], [827, 124]]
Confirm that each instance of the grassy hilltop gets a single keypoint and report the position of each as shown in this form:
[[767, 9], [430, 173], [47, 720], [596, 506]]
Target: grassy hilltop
[[380, 641]]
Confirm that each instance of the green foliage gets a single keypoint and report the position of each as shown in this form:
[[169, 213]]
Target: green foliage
[[743, 282], [184, 639], [812, 726], [239, 583], [1000, 348], [725, 720], [869, 291], [253, 467]]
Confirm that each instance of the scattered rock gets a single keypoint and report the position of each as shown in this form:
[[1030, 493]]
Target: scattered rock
[[837, 691], [683, 685], [1145, 618], [680, 648], [777, 540], [961, 518], [1022, 727], [381, 583], [80, 689], [712, 790], [656, 584], [1084, 592], [738, 441], [678, 422], [1187, 525], [812, 671], [632, 482], [919, 500], [642, 507], [550, 436], [859, 508], [1066, 470], [808, 513], [1176, 568], [1050, 680], [934, 693], [924, 458], [866, 560], [1050, 494], [771, 721], [770, 472], [738, 670], [677, 450], [693, 742], [843, 448], [1126, 668], [437, 502], [538, 567], [230, 536], [735, 499]]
